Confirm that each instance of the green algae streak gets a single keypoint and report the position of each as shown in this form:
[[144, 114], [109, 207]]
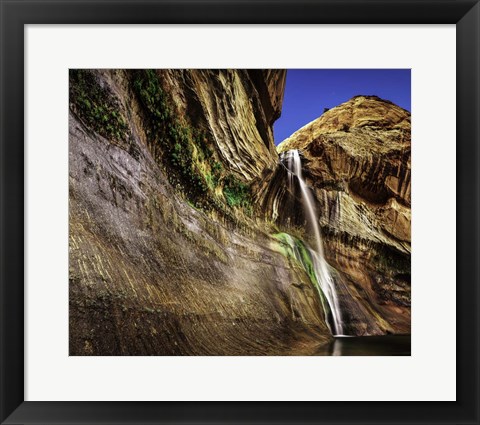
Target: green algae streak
[[295, 249]]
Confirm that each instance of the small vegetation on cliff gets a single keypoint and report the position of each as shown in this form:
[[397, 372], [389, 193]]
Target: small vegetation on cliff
[[96, 106], [187, 150], [236, 192]]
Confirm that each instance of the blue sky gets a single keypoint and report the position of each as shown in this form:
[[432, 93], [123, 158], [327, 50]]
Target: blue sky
[[309, 91]]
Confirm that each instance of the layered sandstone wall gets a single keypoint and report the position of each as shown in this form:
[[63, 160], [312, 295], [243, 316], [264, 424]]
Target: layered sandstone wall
[[166, 255], [357, 159]]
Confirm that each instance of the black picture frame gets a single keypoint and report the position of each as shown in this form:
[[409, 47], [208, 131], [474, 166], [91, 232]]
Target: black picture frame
[[15, 14]]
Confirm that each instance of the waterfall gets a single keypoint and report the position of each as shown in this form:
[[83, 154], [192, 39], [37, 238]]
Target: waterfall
[[292, 161]]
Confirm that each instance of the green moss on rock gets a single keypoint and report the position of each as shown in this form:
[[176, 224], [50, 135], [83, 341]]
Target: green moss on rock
[[296, 250], [188, 152], [96, 106]]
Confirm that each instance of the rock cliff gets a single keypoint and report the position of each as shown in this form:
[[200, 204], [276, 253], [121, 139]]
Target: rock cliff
[[184, 238], [167, 256], [357, 159]]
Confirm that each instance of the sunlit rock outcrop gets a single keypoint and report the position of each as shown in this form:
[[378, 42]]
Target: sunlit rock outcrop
[[357, 160]]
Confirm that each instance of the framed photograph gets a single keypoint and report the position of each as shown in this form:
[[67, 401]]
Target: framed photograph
[[212, 207]]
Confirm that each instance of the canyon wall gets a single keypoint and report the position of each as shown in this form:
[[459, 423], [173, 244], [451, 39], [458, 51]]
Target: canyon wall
[[357, 158], [179, 211], [167, 255]]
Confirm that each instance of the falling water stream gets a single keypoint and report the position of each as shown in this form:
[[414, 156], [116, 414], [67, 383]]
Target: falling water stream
[[292, 161]]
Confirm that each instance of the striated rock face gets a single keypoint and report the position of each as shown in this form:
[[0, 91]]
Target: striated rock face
[[185, 238], [357, 160], [236, 107], [166, 254]]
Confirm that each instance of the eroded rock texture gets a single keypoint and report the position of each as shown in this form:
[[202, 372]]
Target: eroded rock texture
[[167, 256], [236, 107], [357, 158], [179, 205]]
